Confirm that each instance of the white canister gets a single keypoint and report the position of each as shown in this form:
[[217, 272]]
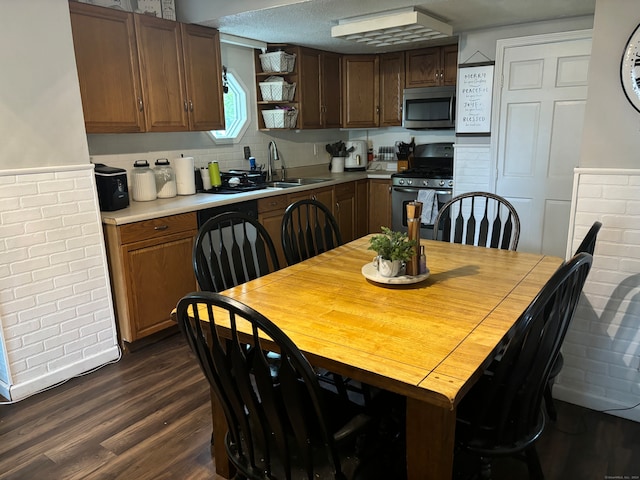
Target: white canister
[[143, 182], [337, 165], [185, 175], [165, 179]]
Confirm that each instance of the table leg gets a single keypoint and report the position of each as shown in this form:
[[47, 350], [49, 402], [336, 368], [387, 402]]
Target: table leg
[[218, 450], [430, 441]]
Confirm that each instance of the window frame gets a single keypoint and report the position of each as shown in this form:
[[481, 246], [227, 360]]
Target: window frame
[[235, 83]]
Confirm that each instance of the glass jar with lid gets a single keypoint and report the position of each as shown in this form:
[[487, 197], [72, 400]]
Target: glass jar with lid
[[143, 182], [165, 179]]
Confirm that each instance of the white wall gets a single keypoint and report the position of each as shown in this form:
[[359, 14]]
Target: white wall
[[40, 111], [612, 125], [56, 314]]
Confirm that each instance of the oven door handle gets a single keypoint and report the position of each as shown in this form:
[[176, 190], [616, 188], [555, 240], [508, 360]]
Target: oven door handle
[[416, 190]]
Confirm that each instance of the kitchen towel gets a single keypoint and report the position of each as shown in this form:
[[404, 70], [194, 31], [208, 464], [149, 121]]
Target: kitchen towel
[[185, 178], [429, 199]]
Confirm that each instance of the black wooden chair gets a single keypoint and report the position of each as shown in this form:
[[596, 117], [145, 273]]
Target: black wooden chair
[[230, 249], [502, 414], [277, 429], [308, 229], [587, 245], [478, 218]]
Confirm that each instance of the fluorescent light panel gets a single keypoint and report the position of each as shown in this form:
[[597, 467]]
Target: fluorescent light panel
[[391, 28]]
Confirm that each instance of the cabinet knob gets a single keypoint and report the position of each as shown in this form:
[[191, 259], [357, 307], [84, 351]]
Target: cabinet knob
[[161, 227], [140, 104], [190, 106], [186, 107]]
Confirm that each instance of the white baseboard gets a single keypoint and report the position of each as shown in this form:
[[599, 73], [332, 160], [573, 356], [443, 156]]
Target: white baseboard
[[23, 390]]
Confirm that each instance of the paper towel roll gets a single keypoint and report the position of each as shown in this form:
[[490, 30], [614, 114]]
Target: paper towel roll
[[185, 179]]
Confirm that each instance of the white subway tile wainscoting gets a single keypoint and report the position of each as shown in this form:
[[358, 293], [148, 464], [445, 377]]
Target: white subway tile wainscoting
[[602, 347], [56, 312]]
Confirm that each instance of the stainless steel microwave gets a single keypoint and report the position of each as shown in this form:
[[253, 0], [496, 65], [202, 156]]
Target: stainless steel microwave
[[429, 107]]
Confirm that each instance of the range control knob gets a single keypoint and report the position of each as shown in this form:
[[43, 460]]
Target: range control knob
[[425, 183], [451, 183], [409, 182], [442, 183], [401, 181]]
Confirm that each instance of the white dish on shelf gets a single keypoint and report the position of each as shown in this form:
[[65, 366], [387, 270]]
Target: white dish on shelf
[[370, 272]]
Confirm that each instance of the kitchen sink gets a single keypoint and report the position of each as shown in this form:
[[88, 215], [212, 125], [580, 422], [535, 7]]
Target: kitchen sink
[[305, 181], [295, 182]]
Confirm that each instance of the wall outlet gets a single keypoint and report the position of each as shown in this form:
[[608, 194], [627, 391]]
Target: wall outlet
[[247, 153]]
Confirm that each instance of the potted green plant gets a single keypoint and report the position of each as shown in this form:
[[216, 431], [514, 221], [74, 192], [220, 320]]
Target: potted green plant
[[393, 249]]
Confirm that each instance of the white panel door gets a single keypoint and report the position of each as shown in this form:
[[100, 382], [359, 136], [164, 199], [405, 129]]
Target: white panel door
[[541, 98]]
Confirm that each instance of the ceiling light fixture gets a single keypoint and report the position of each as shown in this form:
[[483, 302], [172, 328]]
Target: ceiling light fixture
[[394, 27]]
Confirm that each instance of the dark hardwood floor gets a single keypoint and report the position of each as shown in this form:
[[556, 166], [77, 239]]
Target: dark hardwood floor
[[148, 417]]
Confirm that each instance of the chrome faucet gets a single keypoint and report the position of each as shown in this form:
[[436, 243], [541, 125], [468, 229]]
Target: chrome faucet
[[273, 156]]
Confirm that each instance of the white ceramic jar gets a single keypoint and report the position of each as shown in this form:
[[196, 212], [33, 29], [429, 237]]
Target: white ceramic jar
[[143, 182], [165, 179]]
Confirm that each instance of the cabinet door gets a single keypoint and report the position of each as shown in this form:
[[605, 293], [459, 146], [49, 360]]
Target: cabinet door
[[203, 72], [324, 195], [379, 204], [160, 272], [162, 71], [423, 67], [331, 93], [270, 212], [362, 208], [345, 210], [391, 87], [108, 71], [309, 94], [360, 91], [450, 64]]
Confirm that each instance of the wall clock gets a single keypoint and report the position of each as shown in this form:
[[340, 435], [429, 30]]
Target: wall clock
[[630, 69]]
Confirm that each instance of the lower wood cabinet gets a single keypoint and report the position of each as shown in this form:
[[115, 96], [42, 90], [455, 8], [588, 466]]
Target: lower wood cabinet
[[151, 269], [270, 212], [379, 204]]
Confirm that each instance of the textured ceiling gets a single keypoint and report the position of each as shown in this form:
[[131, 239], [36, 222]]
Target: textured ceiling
[[309, 22]]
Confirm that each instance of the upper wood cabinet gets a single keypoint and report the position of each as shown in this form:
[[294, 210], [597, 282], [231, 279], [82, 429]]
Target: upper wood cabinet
[[173, 72], [202, 66], [391, 87], [108, 71], [331, 89], [360, 91], [372, 92], [433, 66]]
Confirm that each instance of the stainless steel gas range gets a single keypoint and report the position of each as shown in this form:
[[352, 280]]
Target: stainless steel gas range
[[429, 179]]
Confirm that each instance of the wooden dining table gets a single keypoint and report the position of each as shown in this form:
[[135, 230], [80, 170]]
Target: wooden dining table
[[428, 341]]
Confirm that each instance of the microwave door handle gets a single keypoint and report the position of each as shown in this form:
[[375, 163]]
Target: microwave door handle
[[451, 106]]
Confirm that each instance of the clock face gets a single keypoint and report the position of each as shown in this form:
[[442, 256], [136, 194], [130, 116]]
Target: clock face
[[630, 69]]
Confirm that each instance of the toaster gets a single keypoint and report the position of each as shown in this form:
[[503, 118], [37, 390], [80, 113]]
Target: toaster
[[111, 183]]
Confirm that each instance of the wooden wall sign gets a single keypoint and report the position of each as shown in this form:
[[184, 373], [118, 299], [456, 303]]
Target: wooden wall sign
[[473, 102]]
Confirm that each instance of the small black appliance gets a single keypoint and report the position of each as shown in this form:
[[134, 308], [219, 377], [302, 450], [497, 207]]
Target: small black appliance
[[111, 182]]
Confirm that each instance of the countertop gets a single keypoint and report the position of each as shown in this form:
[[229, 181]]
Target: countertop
[[139, 211]]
